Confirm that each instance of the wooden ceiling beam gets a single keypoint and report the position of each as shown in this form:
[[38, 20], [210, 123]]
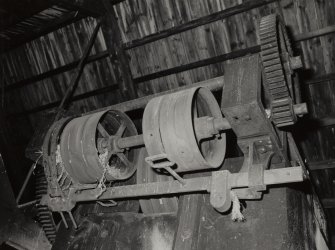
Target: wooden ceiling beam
[[86, 7], [18, 11], [50, 27], [93, 8]]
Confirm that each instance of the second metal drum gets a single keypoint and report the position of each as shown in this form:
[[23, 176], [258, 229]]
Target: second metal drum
[[168, 129]]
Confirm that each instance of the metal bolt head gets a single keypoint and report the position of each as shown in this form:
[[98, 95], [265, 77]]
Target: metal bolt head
[[296, 62], [262, 150]]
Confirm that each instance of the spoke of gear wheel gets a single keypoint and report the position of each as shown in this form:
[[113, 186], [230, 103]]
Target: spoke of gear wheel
[[276, 54]]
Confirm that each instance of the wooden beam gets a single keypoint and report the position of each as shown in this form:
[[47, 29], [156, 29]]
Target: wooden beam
[[74, 98], [71, 5], [53, 72], [197, 64], [78, 72], [14, 12], [89, 7], [188, 219], [315, 33], [198, 22], [213, 84], [324, 122], [328, 203], [319, 165], [50, 27], [321, 79], [119, 59]]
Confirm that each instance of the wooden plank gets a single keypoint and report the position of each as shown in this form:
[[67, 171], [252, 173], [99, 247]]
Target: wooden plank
[[321, 79], [324, 122], [319, 165], [213, 84], [54, 72], [188, 219], [201, 63], [315, 33], [197, 22], [328, 202], [74, 98], [119, 59]]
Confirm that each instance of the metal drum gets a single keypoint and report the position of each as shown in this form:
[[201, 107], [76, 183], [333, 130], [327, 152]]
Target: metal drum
[[79, 152], [169, 131]]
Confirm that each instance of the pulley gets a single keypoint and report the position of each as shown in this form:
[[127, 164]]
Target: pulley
[[177, 131], [86, 145]]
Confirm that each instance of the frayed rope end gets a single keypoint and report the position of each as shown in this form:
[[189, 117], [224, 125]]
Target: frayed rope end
[[236, 214]]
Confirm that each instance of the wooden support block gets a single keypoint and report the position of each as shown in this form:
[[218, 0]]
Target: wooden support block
[[189, 208]]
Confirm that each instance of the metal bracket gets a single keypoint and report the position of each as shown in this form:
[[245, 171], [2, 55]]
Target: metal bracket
[[162, 161], [258, 155], [220, 191], [159, 161]]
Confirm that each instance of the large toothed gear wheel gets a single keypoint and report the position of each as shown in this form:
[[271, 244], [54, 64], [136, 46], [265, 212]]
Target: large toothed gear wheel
[[278, 64]]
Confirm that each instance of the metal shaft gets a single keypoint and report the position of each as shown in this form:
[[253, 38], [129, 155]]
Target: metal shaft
[[204, 127]]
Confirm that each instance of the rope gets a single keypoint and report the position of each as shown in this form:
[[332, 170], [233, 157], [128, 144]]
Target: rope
[[236, 214]]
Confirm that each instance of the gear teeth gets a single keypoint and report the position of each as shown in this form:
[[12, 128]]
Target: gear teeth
[[44, 215], [274, 72], [271, 56]]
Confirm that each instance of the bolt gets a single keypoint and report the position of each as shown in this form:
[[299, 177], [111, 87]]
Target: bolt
[[296, 62], [247, 118], [262, 150], [268, 113]]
